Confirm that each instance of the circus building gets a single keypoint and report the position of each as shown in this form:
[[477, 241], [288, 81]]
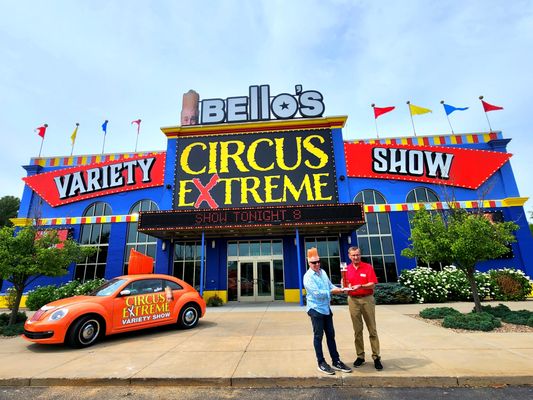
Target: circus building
[[248, 183]]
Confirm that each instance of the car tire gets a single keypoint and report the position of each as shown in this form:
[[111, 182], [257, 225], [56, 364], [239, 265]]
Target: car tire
[[84, 332], [189, 316]]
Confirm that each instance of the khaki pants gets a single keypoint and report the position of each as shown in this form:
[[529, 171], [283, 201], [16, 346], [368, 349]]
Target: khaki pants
[[364, 308]]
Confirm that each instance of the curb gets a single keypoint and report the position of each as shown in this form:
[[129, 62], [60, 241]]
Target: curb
[[286, 382]]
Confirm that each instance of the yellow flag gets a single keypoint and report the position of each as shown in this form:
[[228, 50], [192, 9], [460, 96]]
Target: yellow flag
[[415, 110], [73, 136]]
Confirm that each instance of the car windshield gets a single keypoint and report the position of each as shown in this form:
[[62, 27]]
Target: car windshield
[[108, 288]]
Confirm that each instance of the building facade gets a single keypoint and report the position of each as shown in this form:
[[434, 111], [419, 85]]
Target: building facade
[[239, 195]]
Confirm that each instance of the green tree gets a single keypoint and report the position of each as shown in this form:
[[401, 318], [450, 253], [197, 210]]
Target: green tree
[[460, 238], [9, 207], [26, 256]]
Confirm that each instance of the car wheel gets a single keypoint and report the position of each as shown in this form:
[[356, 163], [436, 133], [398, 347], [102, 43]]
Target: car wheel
[[189, 316], [84, 332]]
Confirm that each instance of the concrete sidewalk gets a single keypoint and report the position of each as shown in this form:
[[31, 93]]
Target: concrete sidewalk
[[270, 345]]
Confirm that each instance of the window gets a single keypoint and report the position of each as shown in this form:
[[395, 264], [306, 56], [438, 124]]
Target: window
[[421, 195], [329, 252], [375, 238], [94, 235], [187, 262], [139, 241]]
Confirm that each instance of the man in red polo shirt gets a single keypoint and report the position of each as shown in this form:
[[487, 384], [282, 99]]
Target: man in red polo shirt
[[361, 278]]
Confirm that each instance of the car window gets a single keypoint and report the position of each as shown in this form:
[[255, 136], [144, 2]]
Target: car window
[[172, 285], [145, 286], [108, 288]]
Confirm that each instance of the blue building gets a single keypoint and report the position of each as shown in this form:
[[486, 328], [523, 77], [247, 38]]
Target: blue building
[[234, 202]]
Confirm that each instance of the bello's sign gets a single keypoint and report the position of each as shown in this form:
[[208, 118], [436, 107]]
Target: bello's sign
[[68, 185], [258, 106], [246, 170], [432, 164]]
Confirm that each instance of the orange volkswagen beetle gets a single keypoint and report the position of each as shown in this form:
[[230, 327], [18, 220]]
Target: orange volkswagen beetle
[[123, 304]]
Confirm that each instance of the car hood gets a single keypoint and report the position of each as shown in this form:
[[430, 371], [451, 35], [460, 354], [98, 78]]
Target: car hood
[[75, 300]]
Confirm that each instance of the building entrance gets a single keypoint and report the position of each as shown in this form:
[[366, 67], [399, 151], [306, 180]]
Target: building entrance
[[255, 279]]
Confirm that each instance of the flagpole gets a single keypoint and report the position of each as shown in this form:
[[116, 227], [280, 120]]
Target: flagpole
[[105, 134], [42, 141], [375, 121], [137, 140], [486, 116], [74, 141], [447, 117], [411, 114]]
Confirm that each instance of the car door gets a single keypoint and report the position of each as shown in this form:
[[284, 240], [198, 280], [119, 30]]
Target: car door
[[142, 303]]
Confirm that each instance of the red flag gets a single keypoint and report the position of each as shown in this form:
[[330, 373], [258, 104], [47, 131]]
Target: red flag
[[41, 130], [489, 107], [138, 122], [381, 110]]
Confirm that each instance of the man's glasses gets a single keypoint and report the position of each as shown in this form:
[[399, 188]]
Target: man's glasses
[[314, 262]]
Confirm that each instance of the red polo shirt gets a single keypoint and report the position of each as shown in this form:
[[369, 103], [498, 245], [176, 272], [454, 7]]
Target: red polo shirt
[[360, 276]]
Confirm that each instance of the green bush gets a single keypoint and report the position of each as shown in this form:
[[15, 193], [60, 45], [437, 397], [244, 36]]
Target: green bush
[[520, 317], [45, 294], [13, 330], [11, 297], [40, 296], [499, 311], [482, 321], [510, 284], [438, 312], [427, 285], [4, 318], [339, 299], [392, 293], [215, 301]]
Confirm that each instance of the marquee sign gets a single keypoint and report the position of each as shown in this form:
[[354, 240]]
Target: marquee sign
[[258, 106], [224, 220], [69, 185], [255, 169], [449, 166]]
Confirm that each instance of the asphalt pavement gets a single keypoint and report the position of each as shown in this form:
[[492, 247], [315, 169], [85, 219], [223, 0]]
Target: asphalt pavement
[[270, 345]]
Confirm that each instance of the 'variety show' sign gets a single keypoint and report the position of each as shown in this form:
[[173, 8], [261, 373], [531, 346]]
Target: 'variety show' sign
[[69, 185], [449, 166], [255, 169]]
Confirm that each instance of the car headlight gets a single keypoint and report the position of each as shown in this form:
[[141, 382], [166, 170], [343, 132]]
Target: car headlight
[[58, 314]]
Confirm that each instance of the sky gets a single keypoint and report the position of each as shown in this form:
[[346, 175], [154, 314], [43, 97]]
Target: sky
[[68, 62]]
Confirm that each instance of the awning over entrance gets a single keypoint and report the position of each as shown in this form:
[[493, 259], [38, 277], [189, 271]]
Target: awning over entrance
[[253, 221]]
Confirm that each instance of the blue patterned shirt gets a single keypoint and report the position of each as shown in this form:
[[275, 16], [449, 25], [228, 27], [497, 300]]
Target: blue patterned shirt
[[318, 288]]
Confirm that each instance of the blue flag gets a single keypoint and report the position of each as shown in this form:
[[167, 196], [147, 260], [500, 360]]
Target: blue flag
[[104, 127], [449, 109]]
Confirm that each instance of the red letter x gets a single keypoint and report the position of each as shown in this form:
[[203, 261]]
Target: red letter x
[[204, 192]]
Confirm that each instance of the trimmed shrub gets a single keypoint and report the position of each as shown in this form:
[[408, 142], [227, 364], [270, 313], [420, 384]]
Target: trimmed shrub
[[13, 330], [40, 296], [438, 312], [215, 301], [510, 284], [499, 311], [482, 321], [45, 294], [4, 318], [392, 293], [520, 317]]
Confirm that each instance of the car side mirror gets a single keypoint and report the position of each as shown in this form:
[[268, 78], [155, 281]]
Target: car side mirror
[[125, 292]]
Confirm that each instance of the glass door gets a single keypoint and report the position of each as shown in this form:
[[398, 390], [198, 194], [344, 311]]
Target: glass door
[[255, 281]]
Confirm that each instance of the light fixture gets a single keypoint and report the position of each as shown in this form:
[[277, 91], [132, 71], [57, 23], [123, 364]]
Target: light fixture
[[163, 245], [213, 243], [349, 240]]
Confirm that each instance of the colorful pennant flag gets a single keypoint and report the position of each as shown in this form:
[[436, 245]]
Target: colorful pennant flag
[[74, 134], [416, 110], [381, 110], [104, 126], [41, 130], [138, 122], [448, 109], [489, 107]]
